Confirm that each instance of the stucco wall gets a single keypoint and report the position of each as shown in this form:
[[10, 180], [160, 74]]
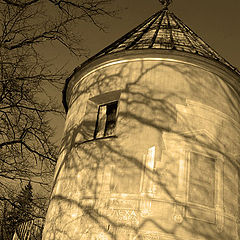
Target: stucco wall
[[171, 169]]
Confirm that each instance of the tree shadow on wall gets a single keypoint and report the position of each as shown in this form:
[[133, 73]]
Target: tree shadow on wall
[[169, 169]]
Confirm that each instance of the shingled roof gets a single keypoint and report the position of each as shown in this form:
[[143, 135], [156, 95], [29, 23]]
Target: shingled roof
[[163, 30]]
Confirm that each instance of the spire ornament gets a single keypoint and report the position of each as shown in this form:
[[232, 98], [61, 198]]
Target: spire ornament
[[165, 3]]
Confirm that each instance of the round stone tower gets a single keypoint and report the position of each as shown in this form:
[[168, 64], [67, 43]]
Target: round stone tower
[[151, 145]]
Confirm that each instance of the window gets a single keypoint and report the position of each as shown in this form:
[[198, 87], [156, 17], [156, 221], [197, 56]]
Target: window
[[106, 120], [201, 180], [100, 116]]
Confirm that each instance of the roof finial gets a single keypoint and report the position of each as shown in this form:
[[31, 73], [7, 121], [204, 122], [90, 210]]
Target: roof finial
[[165, 3]]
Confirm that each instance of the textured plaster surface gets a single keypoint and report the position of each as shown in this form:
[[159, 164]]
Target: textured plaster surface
[[171, 170]]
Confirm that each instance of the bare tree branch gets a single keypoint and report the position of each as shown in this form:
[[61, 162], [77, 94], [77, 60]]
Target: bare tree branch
[[27, 28]]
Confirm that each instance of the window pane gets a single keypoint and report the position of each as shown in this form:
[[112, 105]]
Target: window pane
[[111, 118], [202, 180], [101, 121], [88, 124]]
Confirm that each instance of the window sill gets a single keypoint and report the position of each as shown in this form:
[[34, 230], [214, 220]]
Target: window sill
[[96, 139]]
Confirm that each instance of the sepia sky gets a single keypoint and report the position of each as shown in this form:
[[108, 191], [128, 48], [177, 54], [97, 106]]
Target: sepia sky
[[217, 22]]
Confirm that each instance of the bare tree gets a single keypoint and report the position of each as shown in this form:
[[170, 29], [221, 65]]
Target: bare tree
[[27, 150]]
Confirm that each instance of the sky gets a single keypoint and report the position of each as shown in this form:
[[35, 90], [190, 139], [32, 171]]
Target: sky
[[217, 22]]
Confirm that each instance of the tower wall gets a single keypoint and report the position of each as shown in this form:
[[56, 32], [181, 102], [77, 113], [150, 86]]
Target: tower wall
[[168, 169]]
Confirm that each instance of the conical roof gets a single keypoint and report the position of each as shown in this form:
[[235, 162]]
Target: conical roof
[[163, 30]]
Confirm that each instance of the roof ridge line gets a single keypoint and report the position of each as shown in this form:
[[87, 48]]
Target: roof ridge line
[[160, 31]]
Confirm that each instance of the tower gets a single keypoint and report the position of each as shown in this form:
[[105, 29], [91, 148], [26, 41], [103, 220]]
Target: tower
[[151, 143]]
